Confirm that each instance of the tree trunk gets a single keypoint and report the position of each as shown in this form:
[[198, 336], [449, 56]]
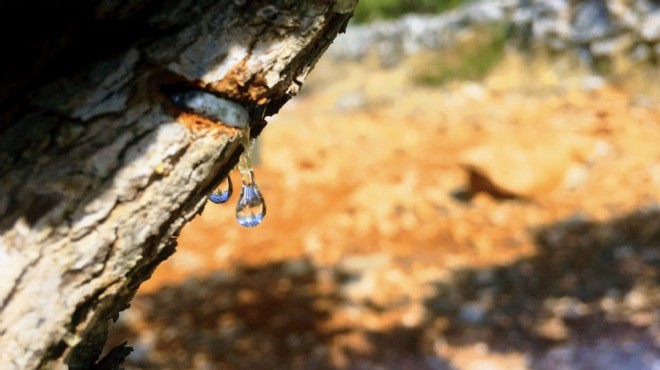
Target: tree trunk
[[101, 164]]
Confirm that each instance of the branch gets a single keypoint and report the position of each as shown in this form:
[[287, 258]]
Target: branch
[[100, 168]]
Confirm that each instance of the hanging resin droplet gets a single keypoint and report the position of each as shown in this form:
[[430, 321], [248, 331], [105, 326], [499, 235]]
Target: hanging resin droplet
[[222, 192], [251, 207]]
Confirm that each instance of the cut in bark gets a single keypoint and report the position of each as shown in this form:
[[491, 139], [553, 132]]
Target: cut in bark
[[100, 168]]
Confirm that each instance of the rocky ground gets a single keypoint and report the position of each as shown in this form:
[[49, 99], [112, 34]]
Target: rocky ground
[[510, 224]]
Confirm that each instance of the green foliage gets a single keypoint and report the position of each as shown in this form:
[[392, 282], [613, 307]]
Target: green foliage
[[470, 60], [369, 10]]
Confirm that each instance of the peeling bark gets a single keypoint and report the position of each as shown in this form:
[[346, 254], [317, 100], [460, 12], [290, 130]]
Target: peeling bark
[[99, 170]]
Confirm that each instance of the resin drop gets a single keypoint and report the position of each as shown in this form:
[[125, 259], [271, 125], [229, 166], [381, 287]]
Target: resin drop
[[251, 207], [222, 192]]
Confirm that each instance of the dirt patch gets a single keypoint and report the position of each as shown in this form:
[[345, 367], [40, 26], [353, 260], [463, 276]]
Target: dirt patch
[[369, 256]]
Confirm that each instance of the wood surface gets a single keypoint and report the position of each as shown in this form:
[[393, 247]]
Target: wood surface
[[99, 170]]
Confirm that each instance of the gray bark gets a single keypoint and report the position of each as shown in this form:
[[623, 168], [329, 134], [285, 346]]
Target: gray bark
[[99, 169]]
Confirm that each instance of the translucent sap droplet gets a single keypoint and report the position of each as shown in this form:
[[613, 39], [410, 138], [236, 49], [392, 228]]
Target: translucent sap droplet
[[222, 192], [251, 207]]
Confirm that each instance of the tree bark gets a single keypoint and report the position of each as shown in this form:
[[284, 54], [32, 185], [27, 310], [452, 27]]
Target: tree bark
[[100, 167]]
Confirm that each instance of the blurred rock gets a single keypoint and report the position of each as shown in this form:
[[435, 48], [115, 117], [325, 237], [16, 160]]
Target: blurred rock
[[351, 101], [642, 53], [393, 40], [591, 21], [598, 28], [613, 45], [591, 83], [527, 166], [650, 29], [360, 264], [567, 307]]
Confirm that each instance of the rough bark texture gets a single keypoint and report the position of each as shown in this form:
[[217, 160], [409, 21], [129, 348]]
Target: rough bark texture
[[99, 170]]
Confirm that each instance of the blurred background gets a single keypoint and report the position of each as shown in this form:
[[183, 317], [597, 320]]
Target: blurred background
[[459, 185]]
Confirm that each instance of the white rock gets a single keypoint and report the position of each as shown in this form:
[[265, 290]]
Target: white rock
[[650, 29]]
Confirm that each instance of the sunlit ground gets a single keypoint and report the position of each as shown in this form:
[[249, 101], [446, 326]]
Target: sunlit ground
[[375, 252]]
